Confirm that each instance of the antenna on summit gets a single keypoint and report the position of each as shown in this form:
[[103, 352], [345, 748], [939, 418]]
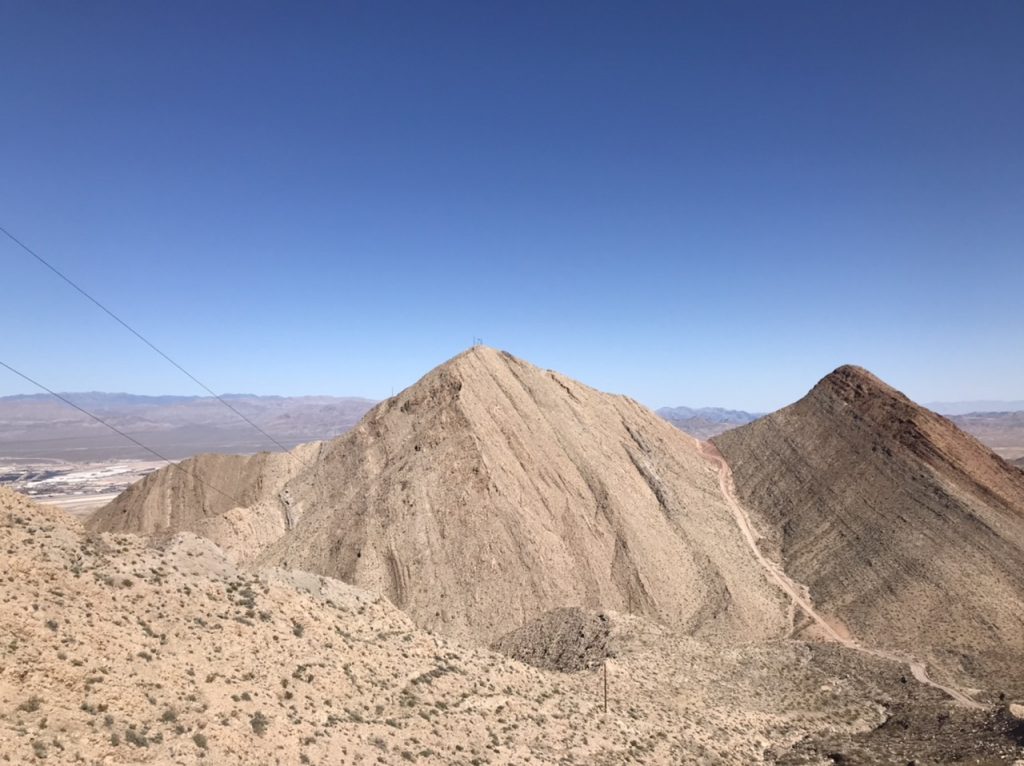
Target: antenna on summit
[[477, 342]]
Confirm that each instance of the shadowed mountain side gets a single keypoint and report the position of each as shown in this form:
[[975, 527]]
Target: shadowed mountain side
[[903, 526], [492, 491]]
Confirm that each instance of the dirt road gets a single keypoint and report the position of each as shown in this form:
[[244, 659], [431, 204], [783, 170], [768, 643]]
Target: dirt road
[[800, 593]]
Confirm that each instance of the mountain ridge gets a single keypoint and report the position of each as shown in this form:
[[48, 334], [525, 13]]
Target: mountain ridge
[[492, 491], [881, 507]]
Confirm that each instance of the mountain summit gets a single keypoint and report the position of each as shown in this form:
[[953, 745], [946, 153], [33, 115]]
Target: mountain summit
[[904, 527], [486, 494]]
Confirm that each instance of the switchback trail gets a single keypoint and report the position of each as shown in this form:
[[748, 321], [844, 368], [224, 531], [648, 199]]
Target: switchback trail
[[800, 593]]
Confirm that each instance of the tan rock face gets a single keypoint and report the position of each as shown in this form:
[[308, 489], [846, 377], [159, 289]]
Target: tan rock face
[[492, 491], [484, 495], [237, 501], [904, 527]]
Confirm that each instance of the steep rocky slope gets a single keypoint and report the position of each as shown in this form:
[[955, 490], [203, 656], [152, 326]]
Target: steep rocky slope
[[492, 491], [906, 529], [115, 651], [239, 502], [486, 494]]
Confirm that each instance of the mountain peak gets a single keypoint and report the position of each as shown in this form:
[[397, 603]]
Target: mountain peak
[[852, 382], [881, 507], [484, 495]]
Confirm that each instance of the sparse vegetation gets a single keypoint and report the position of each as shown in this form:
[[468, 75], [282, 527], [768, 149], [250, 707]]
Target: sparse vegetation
[[259, 723], [31, 705]]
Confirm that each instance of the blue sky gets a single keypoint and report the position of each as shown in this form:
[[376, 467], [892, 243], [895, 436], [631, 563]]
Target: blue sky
[[707, 203]]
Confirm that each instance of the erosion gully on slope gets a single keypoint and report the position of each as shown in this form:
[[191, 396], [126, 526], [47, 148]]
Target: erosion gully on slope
[[800, 594]]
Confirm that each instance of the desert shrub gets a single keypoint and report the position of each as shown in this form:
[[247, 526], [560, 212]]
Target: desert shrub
[[259, 722], [136, 738], [30, 705]]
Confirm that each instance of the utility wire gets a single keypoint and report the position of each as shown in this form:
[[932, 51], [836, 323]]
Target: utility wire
[[145, 340], [118, 431]]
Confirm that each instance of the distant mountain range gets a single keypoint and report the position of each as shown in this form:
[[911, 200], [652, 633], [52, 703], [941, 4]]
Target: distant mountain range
[[980, 405], [38, 426], [705, 422]]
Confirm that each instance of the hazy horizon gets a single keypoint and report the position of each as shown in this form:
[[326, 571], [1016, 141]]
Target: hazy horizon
[[963, 407]]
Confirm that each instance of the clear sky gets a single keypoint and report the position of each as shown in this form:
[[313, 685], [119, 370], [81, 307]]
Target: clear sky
[[702, 203]]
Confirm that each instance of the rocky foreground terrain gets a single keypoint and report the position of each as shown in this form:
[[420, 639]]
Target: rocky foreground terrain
[[453, 580], [118, 651]]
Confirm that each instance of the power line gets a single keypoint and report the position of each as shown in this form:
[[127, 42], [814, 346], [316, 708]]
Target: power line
[[145, 340], [118, 431]]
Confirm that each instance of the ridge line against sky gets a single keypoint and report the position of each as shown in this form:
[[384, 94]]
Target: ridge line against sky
[[699, 204]]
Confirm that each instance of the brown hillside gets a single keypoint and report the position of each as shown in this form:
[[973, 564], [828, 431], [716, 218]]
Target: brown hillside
[[904, 527], [488, 493]]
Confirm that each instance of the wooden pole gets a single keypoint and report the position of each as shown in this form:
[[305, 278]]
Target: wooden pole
[[606, 685]]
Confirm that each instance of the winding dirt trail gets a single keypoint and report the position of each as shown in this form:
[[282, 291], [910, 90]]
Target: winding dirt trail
[[800, 593]]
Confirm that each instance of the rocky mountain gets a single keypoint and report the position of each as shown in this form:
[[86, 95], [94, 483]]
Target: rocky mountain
[[240, 502], [705, 422], [486, 494], [41, 426], [905, 529]]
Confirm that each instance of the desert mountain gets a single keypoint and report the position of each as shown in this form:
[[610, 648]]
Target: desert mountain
[[490, 492], [238, 501], [705, 422], [117, 650], [710, 414], [906, 529]]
